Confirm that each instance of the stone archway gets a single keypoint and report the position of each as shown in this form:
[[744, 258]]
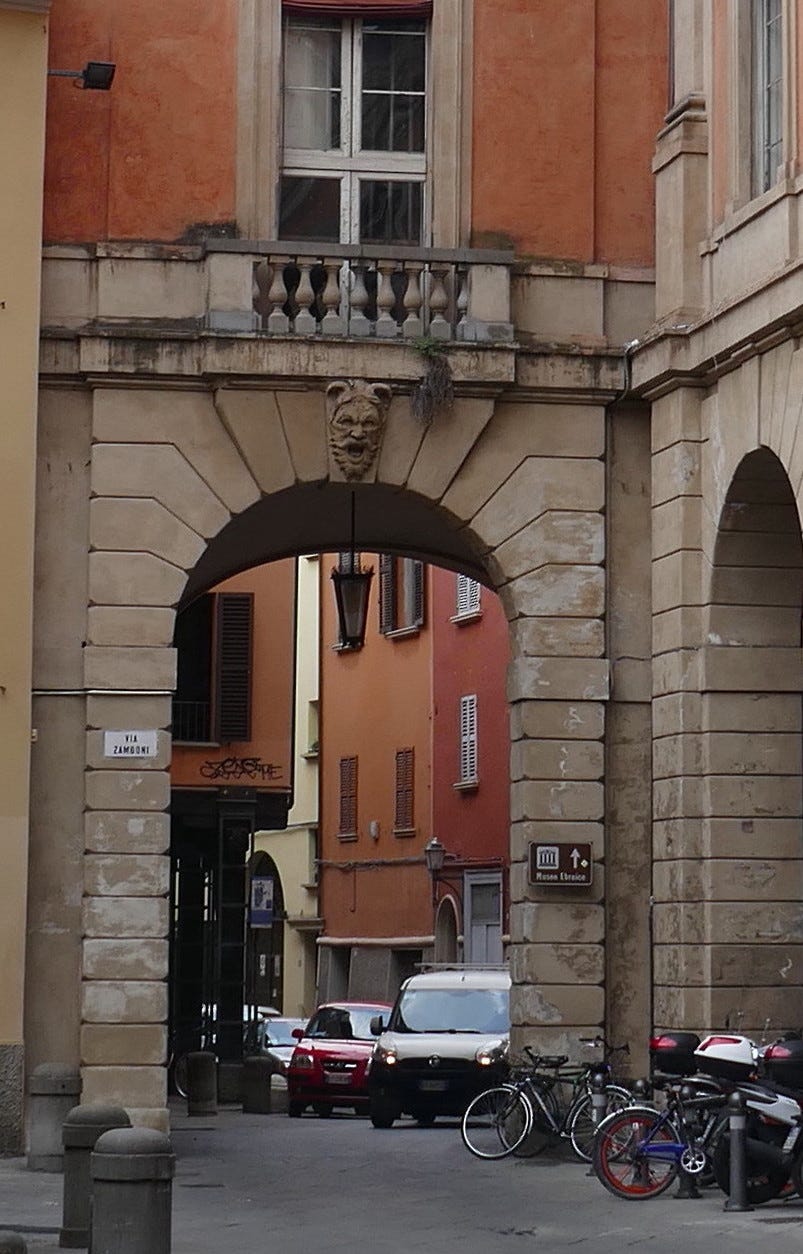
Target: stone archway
[[751, 874], [181, 483]]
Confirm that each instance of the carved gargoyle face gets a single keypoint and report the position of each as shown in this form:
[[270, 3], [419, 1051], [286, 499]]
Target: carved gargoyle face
[[356, 421]]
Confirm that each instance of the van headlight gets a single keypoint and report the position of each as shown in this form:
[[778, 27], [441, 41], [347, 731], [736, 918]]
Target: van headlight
[[386, 1054], [492, 1053]]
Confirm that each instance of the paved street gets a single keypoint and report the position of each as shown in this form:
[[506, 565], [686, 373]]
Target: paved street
[[246, 1184]]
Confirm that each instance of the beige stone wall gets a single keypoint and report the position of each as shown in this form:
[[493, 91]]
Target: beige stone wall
[[727, 599]]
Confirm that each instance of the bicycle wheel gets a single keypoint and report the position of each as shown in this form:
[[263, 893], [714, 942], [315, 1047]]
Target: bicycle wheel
[[496, 1122], [179, 1070], [581, 1126], [622, 1159]]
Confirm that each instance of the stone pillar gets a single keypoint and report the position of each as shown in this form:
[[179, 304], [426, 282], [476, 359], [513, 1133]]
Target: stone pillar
[[678, 577], [557, 688], [126, 868], [681, 170], [53, 1091], [628, 767]]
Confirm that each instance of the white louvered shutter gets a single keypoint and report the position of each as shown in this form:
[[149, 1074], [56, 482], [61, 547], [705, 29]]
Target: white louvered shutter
[[468, 738]]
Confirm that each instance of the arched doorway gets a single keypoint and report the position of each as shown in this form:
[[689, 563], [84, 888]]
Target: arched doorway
[[751, 873], [446, 938], [191, 481]]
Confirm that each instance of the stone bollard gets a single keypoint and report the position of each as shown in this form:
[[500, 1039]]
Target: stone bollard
[[737, 1123], [53, 1090], [132, 1192], [257, 1077], [12, 1243], [201, 1083], [599, 1104], [687, 1180], [81, 1129]]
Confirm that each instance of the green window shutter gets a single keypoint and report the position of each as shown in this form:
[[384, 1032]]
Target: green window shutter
[[235, 632]]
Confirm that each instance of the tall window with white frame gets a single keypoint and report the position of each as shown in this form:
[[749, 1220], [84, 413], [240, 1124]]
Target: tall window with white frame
[[767, 92], [354, 136]]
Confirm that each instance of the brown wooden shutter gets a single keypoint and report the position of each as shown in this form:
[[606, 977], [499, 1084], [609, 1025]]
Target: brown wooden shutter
[[348, 796], [235, 630], [405, 794], [387, 593]]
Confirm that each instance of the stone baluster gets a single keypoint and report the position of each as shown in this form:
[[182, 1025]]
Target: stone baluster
[[413, 326], [278, 321], [386, 327], [461, 305], [263, 274], [358, 321], [305, 322], [333, 323], [439, 328]]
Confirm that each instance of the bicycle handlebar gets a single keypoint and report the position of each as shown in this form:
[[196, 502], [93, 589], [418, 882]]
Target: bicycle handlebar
[[599, 1042]]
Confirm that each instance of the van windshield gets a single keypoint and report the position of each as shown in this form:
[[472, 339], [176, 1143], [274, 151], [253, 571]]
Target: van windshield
[[479, 1010]]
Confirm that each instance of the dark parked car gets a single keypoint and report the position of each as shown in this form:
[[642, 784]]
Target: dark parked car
[[328, 1066]]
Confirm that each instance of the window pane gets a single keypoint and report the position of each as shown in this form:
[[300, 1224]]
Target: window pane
[[393, 85], [312, 87], [392, 123], [393, 56], [312, 119], [309, 209], [390, 212]]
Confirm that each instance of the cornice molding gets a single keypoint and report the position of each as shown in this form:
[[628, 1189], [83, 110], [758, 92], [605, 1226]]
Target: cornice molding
[[26, 6]]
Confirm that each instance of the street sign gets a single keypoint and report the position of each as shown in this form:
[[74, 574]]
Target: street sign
[[261, 901], [130, 744], [565, 864]]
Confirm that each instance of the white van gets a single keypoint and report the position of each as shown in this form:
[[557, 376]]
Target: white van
[[446, 1041]]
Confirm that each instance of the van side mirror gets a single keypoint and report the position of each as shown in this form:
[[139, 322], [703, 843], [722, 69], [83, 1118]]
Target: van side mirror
[[377, 1025]]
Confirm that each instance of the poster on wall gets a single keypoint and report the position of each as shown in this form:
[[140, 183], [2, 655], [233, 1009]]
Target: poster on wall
[[261, 901]]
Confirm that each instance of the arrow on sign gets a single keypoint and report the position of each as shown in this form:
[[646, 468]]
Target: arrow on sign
[[575, 858]]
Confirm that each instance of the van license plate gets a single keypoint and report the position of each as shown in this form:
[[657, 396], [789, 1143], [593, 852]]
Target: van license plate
[[433, 1086]]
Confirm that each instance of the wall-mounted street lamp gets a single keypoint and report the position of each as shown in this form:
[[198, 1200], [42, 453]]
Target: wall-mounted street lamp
[[352, 587], [95, 76], [435, 857]]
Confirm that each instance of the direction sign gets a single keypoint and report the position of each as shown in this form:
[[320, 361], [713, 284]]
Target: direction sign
[[563, 864]]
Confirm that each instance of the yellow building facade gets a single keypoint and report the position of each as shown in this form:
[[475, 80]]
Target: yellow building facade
[[23, 48]]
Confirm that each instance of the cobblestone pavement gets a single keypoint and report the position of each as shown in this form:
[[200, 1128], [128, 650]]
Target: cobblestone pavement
[[249, 1184]]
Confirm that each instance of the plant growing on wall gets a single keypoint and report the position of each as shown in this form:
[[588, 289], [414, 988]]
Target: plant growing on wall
[[434, 392]]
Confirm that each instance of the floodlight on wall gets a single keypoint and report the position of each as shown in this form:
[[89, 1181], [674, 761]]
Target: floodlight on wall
[[95, 76]]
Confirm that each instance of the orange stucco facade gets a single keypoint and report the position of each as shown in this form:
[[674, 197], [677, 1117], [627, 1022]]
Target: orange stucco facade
[[272, 691], [142, 162], [571, 178], [374, 701]]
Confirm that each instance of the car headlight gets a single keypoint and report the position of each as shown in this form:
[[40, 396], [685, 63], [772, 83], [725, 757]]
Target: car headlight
[[492, 1053], [302, 1062], [386, 1054]]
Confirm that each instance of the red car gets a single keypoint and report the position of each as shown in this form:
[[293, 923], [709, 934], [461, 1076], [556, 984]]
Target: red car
[[328, 1066]]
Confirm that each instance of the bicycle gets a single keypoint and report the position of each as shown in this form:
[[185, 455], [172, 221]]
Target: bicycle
[[526, 1113], [638, 1152]]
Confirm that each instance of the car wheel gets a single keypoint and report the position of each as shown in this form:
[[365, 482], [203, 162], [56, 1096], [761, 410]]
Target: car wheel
[[383, 1112], [295, 1109], [322, 1109]]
